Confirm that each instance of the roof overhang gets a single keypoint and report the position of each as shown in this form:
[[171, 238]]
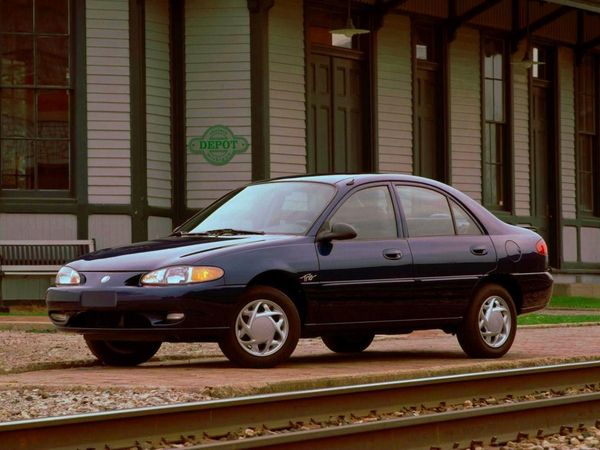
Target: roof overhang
[[586, 5]]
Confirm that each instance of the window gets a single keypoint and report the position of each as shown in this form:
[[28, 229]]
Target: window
[[34, 94], [496, 167], [427, 213], [587, 136], [370, 212]]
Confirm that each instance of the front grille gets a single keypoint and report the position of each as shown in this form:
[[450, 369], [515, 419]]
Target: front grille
[[103, 319]]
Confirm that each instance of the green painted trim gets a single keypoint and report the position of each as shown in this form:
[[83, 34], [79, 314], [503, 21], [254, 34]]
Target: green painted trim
[[80, 176], [178, 141], [259, 86], [137, 70]]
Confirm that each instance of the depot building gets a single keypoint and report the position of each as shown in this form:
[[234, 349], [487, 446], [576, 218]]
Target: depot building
[[120, 118]]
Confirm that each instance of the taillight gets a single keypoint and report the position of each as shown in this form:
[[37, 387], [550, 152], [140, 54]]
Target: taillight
[[541, 247]]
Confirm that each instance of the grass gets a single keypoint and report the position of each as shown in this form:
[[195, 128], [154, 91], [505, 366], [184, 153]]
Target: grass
[[574, 302], [546, 319]]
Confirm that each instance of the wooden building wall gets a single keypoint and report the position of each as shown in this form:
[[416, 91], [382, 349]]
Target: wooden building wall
[[394, 96], [287, 88], [217, 76]]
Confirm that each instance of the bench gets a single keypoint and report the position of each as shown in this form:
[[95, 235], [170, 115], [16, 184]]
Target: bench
[[39, 258]]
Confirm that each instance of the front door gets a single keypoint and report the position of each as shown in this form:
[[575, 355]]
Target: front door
[[335, 117], [367, 279], [543, 146]]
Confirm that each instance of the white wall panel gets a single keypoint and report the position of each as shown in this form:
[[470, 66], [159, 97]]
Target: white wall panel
[[394, 95], [108, 102]]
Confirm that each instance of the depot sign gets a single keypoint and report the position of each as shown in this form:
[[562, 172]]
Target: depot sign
[[218, 145]]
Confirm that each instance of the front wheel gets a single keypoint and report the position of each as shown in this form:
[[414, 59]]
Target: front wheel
[[348, 342], [489, 327], [264, 329], [123, 353]]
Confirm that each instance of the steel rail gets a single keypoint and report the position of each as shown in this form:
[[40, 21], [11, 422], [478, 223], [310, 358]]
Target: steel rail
[[218, 417]]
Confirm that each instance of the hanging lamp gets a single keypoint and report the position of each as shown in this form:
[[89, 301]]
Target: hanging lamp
[[349, 30]]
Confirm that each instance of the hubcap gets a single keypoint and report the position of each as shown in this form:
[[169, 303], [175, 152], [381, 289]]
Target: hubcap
[[494, 321], [261, 328]]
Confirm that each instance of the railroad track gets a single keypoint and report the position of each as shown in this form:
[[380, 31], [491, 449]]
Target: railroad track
[[362, 416]]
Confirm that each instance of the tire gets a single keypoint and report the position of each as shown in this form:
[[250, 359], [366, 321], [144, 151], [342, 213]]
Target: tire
[[268, 317], [123, 353], [491, 338], [353, 342]]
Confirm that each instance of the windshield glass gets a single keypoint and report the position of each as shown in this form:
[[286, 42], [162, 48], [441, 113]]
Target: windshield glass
[[289, 207]]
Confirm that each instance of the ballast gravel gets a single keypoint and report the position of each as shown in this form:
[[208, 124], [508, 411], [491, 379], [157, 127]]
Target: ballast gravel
[[22, 351]]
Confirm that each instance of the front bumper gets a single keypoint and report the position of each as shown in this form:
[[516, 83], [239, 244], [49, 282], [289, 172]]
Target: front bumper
[[141, 313]]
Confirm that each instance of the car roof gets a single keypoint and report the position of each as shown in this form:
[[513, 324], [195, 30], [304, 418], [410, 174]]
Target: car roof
[[356, 177]]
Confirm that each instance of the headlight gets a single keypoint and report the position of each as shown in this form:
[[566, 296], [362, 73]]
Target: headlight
[[67, 276], [182, 275]]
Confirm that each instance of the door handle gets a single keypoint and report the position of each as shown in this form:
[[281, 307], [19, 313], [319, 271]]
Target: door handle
[[392, 253], [479, 250]]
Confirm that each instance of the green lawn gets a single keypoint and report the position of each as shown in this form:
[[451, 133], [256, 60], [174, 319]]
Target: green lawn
[[539, 319], [575, 302]]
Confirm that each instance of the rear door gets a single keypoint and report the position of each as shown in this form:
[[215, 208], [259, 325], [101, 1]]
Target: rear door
[[364, 279], [450, 251]]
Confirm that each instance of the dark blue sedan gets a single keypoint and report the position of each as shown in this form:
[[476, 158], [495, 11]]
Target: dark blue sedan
[[343, 257]]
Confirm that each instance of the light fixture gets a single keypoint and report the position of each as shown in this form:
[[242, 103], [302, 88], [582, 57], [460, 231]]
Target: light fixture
[[528, 61], [349, 30]]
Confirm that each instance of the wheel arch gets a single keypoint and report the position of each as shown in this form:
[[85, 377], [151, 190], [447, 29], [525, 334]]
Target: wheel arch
[[508, 282], [287, 283]]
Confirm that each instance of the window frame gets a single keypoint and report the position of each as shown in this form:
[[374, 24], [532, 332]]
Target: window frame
[[76, 57], [594, 213], [506, 164]]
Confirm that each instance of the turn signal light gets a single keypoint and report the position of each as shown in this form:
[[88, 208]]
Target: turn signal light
[[541, 247]]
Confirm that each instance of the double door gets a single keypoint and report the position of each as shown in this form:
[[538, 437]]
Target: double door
[[336, 128]]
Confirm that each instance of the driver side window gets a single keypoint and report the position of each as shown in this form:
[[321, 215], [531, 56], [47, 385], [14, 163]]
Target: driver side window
[[371, 212]]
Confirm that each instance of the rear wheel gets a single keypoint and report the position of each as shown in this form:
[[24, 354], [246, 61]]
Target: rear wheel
[[264, 329], [348, 342], [123, 353], [489, 327]]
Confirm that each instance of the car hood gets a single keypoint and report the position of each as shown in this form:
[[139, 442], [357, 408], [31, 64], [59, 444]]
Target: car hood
[[170, 251]]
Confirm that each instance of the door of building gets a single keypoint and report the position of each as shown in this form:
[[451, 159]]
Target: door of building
[[429, 149], [543, 145], [336, 111]]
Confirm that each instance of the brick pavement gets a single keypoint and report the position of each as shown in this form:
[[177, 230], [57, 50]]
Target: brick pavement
[[312, 365]]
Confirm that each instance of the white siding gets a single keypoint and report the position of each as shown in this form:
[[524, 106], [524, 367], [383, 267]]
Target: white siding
[[158, 103], [590, 243], [465, 112], [217, 54], [394, 96], [108, 120], [159, 227], [569, 244], [38, 226], [109, 230], [567, 131], [520, 114], [287, 88]]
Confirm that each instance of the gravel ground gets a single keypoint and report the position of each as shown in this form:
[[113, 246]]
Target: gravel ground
[[55, 350]]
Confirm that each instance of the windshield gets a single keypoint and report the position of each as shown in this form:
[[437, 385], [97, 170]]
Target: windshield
[[289, 207]]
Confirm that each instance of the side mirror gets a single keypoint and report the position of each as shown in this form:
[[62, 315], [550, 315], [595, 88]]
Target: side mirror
[[339, 231]]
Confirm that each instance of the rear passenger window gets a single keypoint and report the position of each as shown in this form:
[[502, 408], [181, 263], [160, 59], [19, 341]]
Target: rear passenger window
[[465, 225], [427, 212], [370, 212]]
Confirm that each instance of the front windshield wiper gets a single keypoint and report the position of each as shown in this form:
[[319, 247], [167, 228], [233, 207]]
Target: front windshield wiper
[[187, 233], [223, 231]]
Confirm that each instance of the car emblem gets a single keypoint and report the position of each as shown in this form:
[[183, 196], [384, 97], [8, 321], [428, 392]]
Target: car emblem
[[105, 278], [308, 277]]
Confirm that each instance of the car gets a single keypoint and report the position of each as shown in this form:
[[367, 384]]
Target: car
[[342, 257]]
